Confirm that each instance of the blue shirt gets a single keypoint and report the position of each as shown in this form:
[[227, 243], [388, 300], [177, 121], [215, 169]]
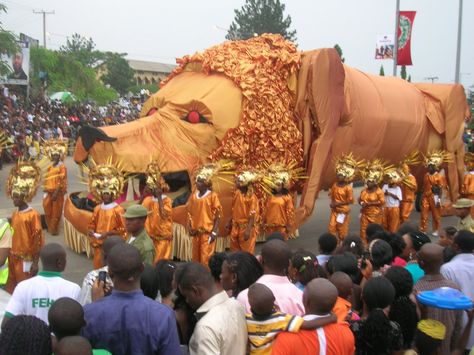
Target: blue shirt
[[130, 323]]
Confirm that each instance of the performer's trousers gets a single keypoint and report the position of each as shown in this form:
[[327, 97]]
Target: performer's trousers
[[97, 261], [162, 249], [405, 210], [428, 205], [279, 229], [365, 220], [15, 273], [339, 229], [53, 211], [391, 218], [202, 249], [237, 241]]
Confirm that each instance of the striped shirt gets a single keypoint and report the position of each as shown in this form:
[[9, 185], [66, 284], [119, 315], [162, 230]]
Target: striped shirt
[[451, 319], [262, 333]]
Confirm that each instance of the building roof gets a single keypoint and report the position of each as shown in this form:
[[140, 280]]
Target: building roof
[[150, 66]]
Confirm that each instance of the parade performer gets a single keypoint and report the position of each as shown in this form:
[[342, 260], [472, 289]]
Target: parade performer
[[393, 196], [245, 212], [433, 184], [467, 187], [372, 197], [204, 214], [341, 196], [55, 183], [28, 236], [159, 224], [408, 186], [106, 184]]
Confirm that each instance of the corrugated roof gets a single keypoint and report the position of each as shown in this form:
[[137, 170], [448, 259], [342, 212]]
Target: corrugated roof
[[151, 66]]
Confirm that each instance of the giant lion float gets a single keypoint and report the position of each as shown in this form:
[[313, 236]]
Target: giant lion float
[[262, 100]]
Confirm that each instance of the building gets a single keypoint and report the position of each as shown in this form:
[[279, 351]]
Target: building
[[149, 72]]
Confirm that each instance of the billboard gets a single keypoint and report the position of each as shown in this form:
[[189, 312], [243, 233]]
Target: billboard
[[384, 47], [19, 64]]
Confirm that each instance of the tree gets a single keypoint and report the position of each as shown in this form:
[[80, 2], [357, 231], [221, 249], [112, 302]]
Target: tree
[[403, 72], [339, 51], [382, 72], [119, 74], [82, 49], [260, 16], [409, 78], [8, 45]]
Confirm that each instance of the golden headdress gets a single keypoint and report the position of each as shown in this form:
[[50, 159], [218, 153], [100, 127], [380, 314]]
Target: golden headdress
[[248, 177], [24, 180], [208, 172], [347, 167], [437, 158], [105, 178], [411, 159], [469, 161], [56, 146], [393, 176], [375, 170], [284, 175], [154, 177]]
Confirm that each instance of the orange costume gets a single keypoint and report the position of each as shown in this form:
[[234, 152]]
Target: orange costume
[[467, 188], [160, 229], [105, 218], [202, 212], [279, 215], [370, 214], [55, 180], [428, 202], [27, 242], [340, 217], [408, 197], [244, 206]]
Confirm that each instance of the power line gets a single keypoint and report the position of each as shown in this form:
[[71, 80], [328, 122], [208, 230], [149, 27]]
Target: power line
[[44, 13]]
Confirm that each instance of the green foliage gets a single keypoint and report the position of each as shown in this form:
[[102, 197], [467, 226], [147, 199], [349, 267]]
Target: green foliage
[[403, 72], [82, 50], [135, 89], [67, 74], [258, 17], [382, 72], [119, 74], [8, 45], [339, 51]]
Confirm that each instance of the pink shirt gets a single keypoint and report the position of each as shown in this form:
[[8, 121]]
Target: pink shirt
[[399, 262], [288, 297]]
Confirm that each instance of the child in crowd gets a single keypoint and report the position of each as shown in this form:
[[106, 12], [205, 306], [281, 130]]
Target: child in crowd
[[446, 236], [327, 245], [343, 307], [304, 267], [266, 322]]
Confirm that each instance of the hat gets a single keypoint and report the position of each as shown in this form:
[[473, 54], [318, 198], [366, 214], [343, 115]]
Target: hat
[[136, 211], [393, 176], [209, 171], [437, 157], [246, 178], [432, 328], [463, 203], [280, 174], [374, 171], [347, 167], [411, 159]]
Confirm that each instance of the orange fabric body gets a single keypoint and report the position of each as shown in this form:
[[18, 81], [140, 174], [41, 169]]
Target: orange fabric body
[[244, 206], [391, 218], [27, 242], [279, 213], [202, 249], [105, 220], [427, 202], [55, 179], [340, 194], [405, 210], [159, 229], [371, 214]]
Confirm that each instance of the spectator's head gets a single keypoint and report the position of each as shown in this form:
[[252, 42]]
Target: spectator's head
[[346, 263], [371, 230], [319, 297], [109, 243], [448, 254], [261, 301], [429, 336], [215, 265], [275, 236], [407, 227], [327, 243], [304, 267], [430, 258], [149, 282], [380, 253], [395, 241], [125, 267], [165, 270], [463, 207], [26, 335], [135, 218], [463, 242], [343, 283], [352, 244], [414, 241], [195, 283], [53, 257], [66, 318], [240, 270], [73, 345], [276, 256], [446, 236]]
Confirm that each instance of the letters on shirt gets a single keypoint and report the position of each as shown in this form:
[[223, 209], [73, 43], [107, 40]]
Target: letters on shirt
[[41, 302]]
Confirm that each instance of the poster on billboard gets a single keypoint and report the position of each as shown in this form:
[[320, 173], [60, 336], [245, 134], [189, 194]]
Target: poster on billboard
[[19, 64], [384, 47]]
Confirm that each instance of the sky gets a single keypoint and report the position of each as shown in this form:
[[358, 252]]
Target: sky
[[164, 30]]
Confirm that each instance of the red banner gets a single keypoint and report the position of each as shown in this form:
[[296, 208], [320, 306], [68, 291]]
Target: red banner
[[405, 26]]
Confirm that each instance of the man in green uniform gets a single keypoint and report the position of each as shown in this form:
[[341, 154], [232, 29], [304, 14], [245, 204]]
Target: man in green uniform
[[135, 218], [463, 211]]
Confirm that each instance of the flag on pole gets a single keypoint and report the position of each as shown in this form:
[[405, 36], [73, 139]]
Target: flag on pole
[[405, 25]]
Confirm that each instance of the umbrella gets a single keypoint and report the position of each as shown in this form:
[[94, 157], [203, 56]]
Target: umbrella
[[63, 96]]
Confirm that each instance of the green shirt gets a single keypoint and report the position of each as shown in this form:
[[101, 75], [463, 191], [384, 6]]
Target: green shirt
[[144, 245], [467, 223]]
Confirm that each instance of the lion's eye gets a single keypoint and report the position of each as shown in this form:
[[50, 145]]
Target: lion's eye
[[195, 117]]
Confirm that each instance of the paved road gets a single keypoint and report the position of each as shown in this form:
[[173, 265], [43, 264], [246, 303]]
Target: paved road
[[79, 265]]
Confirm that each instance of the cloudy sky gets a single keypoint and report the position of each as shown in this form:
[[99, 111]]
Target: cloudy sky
[[163, 30]]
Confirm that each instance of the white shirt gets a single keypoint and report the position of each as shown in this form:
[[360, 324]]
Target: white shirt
[[222, 330], [461, 270], [34, 297], [389, 200], [85, 296]]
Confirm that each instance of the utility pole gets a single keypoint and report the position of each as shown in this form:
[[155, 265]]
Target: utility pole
[[44, 13], [395, 42], [432, 78], [458, 49]]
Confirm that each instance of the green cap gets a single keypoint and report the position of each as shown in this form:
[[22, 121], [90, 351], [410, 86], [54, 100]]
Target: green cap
[[136, 211]]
